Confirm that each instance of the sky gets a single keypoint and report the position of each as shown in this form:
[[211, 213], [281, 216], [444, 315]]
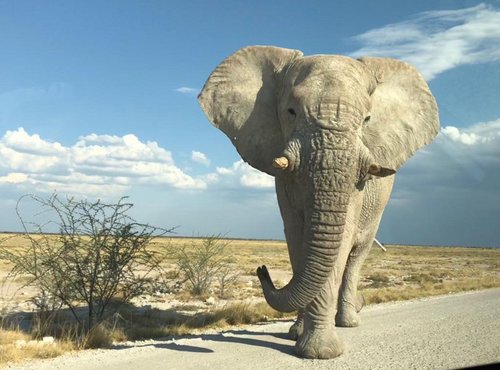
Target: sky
[[98, 101]]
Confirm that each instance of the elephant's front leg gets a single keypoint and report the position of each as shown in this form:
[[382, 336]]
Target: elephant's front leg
[[319, 338], [293, 221]]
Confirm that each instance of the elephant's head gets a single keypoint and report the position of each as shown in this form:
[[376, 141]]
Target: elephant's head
[[330, 123]]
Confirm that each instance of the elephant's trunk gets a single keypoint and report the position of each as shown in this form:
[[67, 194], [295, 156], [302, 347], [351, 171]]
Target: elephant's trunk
[[329, 182]]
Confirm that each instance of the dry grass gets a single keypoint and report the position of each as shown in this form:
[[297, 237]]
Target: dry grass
[[407, 272], [401, 273], [164, 323], [16, 346]]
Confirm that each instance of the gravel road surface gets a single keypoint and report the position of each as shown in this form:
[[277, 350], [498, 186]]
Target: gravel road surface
[[445, 332]]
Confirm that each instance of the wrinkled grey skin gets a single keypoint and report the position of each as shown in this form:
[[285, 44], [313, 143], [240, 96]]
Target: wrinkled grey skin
[[341, 128]]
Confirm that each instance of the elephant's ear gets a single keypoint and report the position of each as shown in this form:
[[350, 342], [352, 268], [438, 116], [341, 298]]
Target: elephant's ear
[[404, 115], [240, 98]]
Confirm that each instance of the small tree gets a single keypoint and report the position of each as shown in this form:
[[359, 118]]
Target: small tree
[[202, 262], [99, 253], [226, 278]]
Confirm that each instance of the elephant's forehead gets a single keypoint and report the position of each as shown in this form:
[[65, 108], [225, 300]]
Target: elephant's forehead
[[335, 69]]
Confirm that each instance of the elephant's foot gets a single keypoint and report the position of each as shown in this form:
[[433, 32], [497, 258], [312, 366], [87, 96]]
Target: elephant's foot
[[297, 328], [347, 317], [347, 314], [319, 343], [360, 302]]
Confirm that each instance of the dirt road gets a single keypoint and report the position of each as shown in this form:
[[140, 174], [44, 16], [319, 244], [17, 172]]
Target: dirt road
[[438, 333]]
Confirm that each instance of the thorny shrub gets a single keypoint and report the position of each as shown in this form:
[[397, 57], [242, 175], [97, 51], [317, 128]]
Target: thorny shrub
[[97, 254], [203, 263]]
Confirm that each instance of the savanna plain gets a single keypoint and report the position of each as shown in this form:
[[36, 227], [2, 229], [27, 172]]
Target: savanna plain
[[232, 298]]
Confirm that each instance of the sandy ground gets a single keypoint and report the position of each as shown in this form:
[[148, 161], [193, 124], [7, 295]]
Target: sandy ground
[[444, 332]]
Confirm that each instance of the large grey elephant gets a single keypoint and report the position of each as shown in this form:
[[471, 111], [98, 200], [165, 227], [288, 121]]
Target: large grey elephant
[[332, 130]]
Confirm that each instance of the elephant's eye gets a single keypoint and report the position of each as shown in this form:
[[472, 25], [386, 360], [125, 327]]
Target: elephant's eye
[[292, 112], [367, 118]]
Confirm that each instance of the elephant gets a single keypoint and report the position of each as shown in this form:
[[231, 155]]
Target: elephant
[[332, 130]]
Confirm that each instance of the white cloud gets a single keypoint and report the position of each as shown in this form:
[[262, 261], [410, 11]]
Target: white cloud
[[211, 178], [484, 136], [450, 188], [462, 137], [14, 178], [188, 90], [472, 152], [476, 148], [101, 165], [200, 158], [20, 151], [242, 174], [257, 180], [20, 141], [223, 170], [96, 164], [437, 41]]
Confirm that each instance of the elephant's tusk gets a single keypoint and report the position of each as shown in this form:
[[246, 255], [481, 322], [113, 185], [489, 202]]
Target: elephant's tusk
[[281, 163]]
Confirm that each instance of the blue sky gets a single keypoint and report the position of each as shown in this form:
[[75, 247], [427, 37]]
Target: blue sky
[[98, 100]]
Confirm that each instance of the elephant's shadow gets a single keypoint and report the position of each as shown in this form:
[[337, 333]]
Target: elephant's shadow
[[246, 337]]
